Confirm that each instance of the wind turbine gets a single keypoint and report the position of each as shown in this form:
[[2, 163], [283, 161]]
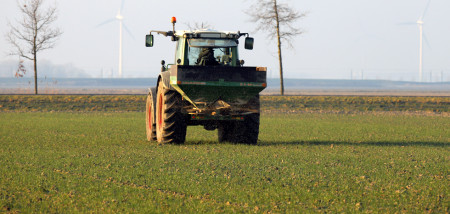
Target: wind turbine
[[420, 24], [119, 17]]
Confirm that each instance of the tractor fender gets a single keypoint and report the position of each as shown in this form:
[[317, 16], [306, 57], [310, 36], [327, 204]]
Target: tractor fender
[[164, 78], [152, 93]]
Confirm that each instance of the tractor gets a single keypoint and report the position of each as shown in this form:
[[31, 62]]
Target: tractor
[[208, 85]]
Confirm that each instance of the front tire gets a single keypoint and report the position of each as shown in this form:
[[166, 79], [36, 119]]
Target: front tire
[[170, 122]]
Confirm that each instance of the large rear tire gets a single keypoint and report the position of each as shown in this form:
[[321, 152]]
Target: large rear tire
[[150, 124], [225, 131], [170, 122], [246, 131], [251, 124]]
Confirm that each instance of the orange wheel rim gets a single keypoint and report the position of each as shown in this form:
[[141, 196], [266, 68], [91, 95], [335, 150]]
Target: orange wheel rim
[[160, 98]]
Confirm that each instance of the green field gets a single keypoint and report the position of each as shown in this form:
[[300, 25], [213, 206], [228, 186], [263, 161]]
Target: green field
[[63, 160]]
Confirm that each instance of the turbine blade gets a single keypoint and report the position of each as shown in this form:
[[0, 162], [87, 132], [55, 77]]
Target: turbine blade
[[105, 22], [128, 31], [121, 6], [407, 23], [426, 9]]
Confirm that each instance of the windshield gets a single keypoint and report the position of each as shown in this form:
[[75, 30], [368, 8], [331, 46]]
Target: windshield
[[210, 56], [212, 43]]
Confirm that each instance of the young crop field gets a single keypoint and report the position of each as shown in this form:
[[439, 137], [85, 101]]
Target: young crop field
[[62, 156]]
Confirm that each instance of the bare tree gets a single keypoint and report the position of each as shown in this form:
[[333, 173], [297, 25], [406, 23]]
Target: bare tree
[[198, 26], [33, 33], [277, 20]]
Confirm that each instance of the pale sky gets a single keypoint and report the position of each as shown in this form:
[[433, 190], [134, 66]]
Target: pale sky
[[341, 37]]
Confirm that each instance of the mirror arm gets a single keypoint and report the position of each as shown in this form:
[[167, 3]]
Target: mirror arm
[[164, 33], [243, 34]]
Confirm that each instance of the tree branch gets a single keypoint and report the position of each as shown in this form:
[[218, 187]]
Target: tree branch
[[34, 32], [263, 14]]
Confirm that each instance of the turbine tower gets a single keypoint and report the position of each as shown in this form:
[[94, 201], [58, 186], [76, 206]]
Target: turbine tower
[[119, 17], [420, 24]]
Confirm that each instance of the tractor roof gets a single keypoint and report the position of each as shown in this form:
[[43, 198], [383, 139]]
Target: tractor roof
[[208, 33]]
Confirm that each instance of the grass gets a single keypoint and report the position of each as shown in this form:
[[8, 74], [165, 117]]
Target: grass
[[305, 162]]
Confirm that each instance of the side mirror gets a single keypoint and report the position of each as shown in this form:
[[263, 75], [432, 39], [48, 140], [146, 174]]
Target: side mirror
[[149, 40], [249, 43]]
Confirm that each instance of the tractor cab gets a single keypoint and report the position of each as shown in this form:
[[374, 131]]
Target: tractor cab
[[206, 47]]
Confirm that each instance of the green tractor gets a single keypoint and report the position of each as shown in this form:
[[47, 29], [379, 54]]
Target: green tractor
[[208, 86]]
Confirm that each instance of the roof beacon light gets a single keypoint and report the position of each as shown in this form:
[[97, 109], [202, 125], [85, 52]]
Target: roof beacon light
[[173, 20]]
